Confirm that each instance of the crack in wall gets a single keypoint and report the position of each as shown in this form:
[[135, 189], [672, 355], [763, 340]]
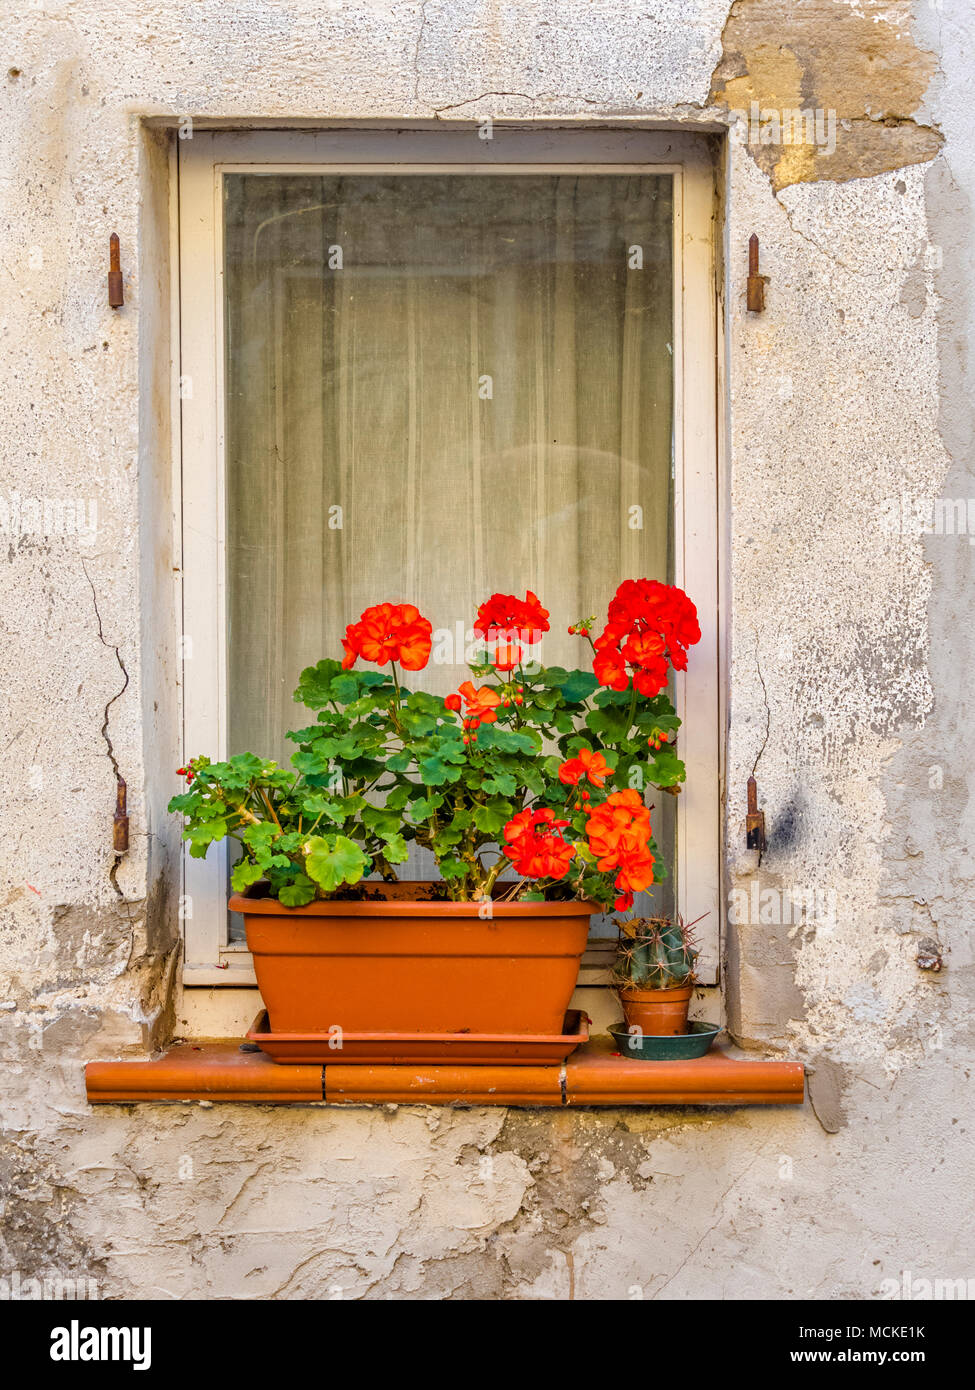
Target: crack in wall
[[119, 779], [416, 51], [768, 711]]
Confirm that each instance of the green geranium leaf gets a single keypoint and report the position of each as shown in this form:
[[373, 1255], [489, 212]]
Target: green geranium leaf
[[553, 676], [507, 740], [578, 686], [259, 836], [418, 724], [329, 807], [441, 767], [332, 863], [533, 778], [447, 838], [665, 769], [395, 849], [381, 821], [305, 735], [315, 684], [610, 724], [247, 765], [245, 873], [546, 699], [312, 761], [397, 798], [424, 806], [489, 820], [202, 835], [501, 782], [298, 893], [452, 868], [422, 703], [345, 687]]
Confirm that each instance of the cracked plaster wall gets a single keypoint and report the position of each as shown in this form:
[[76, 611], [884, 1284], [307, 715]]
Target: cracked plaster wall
[[848, 654]]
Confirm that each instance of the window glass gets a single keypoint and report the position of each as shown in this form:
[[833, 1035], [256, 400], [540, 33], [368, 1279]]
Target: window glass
[[439, 386]]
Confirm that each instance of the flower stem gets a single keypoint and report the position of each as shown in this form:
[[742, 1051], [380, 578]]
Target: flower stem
[[632, 708]]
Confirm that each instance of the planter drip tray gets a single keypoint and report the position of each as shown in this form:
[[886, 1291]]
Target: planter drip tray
[[420, 1049]]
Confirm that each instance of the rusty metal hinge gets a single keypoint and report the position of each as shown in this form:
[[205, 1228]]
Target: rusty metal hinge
[[756, 282], [115, 296], [754, 820], [120, 821]]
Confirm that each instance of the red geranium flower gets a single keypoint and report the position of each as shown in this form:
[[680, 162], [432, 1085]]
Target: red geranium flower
[[535, 845], [648, 624], [621, 822], [618, 831], [634, 876], [389, 632], [481, 704], [505, 622], [586, 763]]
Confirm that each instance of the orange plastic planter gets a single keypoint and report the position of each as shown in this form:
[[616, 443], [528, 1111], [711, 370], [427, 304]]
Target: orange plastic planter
[[409, 966]]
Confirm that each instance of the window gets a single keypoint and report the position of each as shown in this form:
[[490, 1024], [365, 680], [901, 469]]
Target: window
[[425, 366]]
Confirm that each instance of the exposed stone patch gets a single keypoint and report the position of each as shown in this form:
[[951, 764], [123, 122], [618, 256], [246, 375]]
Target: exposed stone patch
[[575, 1159], [825, 1082], [859, 62]]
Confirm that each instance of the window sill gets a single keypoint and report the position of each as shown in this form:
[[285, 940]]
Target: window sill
[[593, 1075]]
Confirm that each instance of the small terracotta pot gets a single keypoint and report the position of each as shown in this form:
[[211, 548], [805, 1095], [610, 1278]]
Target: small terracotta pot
[[658, 1013], [401, 963]]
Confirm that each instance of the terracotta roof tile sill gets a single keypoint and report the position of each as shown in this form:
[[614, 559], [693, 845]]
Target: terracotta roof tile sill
[[593, 1075]]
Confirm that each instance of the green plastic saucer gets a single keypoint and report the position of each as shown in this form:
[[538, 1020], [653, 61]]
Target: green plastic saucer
[[678, 1047]]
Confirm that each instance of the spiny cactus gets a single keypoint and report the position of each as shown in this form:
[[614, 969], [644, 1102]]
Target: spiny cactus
[[655, 953]]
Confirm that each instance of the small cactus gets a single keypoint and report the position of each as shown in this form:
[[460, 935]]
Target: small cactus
[[655, 953]]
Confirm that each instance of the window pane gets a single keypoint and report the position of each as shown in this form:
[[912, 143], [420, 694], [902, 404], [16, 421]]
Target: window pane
[[439, 386]]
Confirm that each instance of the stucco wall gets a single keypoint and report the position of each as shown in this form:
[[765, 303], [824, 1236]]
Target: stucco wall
[[849, 653]]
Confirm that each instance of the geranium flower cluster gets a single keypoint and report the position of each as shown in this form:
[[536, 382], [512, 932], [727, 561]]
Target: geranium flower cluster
[[618, 834], [585, 765], [389, 632], [482, 707], [507, 623], [618, 831], [604, 851], [534, 844], [648, 624]]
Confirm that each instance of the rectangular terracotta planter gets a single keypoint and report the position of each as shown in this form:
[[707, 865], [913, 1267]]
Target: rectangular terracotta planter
[[405, 965]]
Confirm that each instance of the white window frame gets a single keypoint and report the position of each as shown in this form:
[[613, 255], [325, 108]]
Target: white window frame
[[210, 959]]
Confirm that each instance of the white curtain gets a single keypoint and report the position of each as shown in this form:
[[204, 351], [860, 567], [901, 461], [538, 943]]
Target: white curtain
[[438, 386]]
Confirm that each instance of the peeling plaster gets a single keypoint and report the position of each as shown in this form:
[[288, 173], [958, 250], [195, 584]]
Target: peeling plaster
[[858, 61]]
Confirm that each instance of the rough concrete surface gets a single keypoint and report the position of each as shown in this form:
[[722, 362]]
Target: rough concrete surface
[[849, 653]]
